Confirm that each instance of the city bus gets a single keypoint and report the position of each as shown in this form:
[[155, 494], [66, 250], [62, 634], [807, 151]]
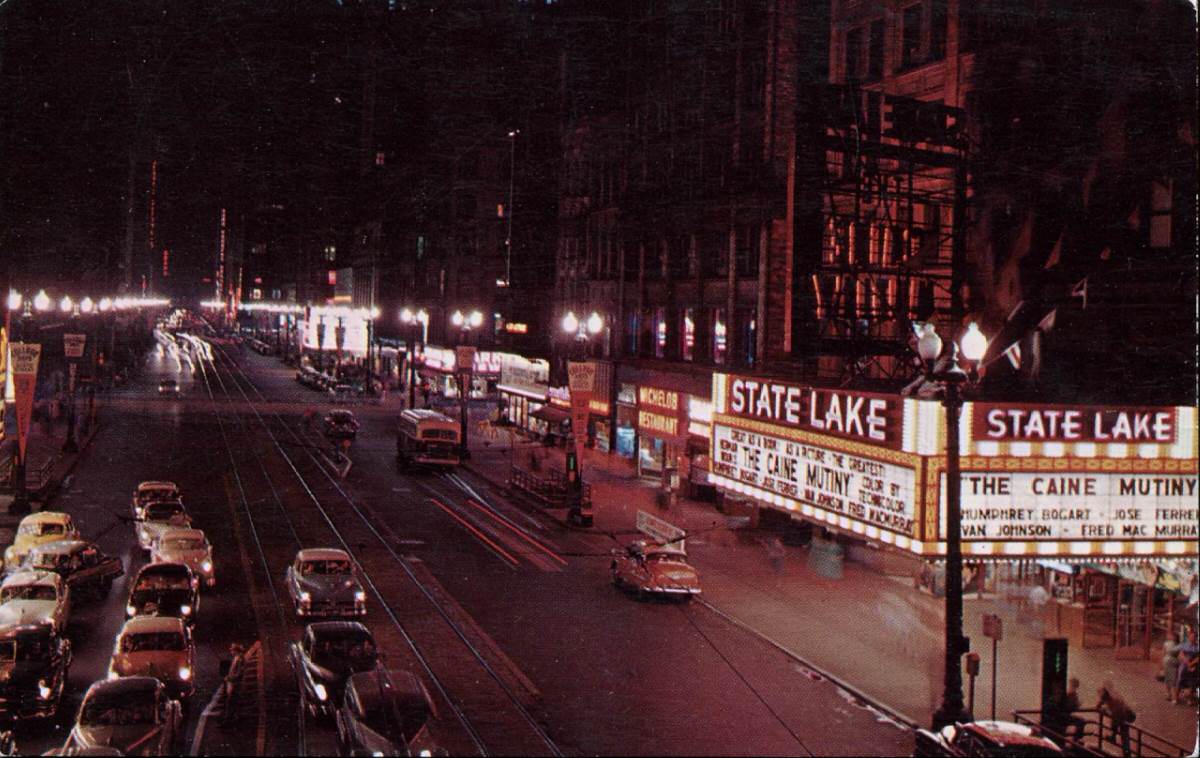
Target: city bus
[[426, 438]]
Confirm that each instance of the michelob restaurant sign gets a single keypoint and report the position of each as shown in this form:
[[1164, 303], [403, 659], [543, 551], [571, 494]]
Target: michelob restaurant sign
[[660, 413], [852, 415]]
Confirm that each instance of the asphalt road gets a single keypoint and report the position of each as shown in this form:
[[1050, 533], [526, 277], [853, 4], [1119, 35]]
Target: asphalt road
[[511, 620]]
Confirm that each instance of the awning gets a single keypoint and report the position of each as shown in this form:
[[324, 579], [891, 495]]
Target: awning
[[550, 414]]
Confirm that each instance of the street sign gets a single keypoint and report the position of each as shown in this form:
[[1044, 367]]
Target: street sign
[[992, 626], [581, 379], [660, 531], [581, 376], [24, 368], [73, 345], [464, 358]]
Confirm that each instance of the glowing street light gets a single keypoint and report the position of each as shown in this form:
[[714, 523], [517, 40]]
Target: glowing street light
[[86, 305], [595, 323], [41, 301], [105, 304], [570, 323], [14, 300]]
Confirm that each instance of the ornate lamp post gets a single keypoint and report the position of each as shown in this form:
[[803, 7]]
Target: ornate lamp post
[[418, 323], [950, 379], [465, 323]]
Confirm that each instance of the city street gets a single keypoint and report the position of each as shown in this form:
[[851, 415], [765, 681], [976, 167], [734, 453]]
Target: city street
[[513, 622]]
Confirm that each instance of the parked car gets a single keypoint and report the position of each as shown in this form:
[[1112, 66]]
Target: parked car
[[658, 570], [157, 646], [158, 517], [340, 424], [189, 547], [328, 654], [134, 715], [324, 582], [34, 661], [150, 492], [38, 529], [994, 739], [80, 563], [385, 713], [164, 589], [31, 597]]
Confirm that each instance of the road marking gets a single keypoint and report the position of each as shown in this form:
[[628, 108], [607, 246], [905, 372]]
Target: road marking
[[515, 530], [498, 551]]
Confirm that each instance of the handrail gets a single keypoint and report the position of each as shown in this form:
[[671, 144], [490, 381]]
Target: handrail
[[1142, 742]]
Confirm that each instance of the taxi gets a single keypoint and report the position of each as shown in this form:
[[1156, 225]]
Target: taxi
[[38, 529], [655, 570]]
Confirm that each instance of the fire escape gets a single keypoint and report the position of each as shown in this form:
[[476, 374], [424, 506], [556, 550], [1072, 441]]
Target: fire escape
[[893, 237]]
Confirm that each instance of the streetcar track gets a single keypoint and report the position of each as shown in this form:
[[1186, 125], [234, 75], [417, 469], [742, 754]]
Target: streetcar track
[[469, 723]]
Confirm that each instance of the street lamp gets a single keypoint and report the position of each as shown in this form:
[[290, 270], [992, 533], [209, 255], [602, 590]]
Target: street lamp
[[41, 301], [65, 304], [86, 305], [465, 322], [105, 304], [413, 320], [14, 300], [950, 379]]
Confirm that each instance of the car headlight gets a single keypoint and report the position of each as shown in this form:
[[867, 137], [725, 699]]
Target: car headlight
[[185, 673], [305, 597], [206, 566], [186, 610], [43, 690], [130, 610], [360, 596], [322, 695]]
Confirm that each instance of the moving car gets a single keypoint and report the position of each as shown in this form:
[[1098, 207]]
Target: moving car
[[79, 563], [994, 739], [164, 589], [38, 529], [329, 653], [134, 715], [150, 492], [189, 547], [340, 424], [168, 387], [385, 713], [323, 582], [34, 660], [157, 646], [660, 570], [30, 597], [159, 516]]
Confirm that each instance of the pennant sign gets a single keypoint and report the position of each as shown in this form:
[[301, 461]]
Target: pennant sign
[[581, 380], [73, 345], [24, 368]]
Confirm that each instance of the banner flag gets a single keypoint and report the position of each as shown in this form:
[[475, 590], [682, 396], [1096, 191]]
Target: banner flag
[[24, 368]]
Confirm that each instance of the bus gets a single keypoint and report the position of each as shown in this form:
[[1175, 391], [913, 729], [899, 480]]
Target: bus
[[426, 438]]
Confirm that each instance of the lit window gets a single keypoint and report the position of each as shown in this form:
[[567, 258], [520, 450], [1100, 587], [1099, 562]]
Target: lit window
[[380, 158], [332, 277], [660, 333], [256, 294], [718, 336], [689, 334], [330, 252]]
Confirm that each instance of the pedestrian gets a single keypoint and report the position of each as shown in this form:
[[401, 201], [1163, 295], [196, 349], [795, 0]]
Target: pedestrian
[[1119, 714], [775, 553], [1188, 656], [1170, 665], [232, 680]]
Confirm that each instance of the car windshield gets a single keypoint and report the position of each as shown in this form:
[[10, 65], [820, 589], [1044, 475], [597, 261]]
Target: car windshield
[[24, 649], [341, 418], [396, 720], [311, 568], [667, 558], [50, 560], [163, 510], [110, 710], [43, 529], [147, 641], [157, 494], [356, 651], [184, 543], [157, 581], [28, 592]]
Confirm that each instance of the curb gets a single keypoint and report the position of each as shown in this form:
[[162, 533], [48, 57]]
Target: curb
[[515, 496]]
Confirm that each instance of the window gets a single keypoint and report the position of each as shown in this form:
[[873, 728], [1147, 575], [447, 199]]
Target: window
[[910, 47], [631, 333], [331, 252], [1160, 213], [689, 334], [937, 30], [719, 341], [420, 247], [660, 333], [875, 52], [747, 251], [854, 52], [748, 327], [380, 158]]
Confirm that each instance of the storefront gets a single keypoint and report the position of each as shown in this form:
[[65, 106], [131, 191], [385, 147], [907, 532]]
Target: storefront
[[661, 429], [523, 389], [627, 420], [438, 370], [1079, 486]]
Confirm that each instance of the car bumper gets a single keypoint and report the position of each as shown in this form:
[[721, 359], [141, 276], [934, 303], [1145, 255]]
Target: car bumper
[[673, 591], [331, 610]]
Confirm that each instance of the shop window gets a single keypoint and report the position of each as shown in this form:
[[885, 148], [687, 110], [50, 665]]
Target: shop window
[[719, 341], [689, 334], [910, 46]]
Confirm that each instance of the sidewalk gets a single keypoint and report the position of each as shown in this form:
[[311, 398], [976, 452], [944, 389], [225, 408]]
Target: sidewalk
[[46, 465], [872, 631]]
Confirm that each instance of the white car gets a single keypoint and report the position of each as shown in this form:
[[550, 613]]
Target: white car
[[157, 646], [148, 492], [29, 597], [160, 516], [189, 547]]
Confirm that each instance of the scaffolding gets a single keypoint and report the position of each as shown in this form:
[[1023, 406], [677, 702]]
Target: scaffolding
[[892, 246]]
